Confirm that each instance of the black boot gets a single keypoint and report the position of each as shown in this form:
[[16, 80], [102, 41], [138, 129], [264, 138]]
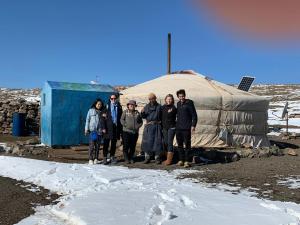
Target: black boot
[[186, 155], [147, 159], [126, 158], [158, 159]]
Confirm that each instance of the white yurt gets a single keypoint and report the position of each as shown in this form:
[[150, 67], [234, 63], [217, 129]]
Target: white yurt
[[226, 116]]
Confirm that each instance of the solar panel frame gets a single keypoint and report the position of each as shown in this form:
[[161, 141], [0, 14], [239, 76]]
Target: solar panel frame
[[246, 83]]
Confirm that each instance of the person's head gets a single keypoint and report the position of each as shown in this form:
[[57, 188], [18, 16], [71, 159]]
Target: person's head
[[131, 105], [152, 98], [98, 104], [169, 99], [181, 95], [113, 98]]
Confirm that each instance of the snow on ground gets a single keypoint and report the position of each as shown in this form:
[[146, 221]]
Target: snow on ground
[[33, 99], [97, 194], [4, 147], [275, 113], [293, 182]]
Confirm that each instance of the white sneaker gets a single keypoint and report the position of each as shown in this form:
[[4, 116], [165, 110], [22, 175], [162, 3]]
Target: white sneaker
[[96, 161], [91, 162]]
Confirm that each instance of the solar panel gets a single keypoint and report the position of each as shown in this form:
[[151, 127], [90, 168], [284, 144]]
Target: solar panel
[[246, 83], [285, 110]]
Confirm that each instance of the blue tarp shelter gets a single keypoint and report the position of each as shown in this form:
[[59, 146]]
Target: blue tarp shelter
[[63, 111]]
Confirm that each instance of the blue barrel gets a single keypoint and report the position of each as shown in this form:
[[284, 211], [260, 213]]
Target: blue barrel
[[18, 124]]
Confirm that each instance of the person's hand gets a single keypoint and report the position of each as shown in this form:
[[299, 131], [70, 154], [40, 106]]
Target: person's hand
[[103, 131], [170, 110], [193, 129], [143, 110], [86, 133], [104, 115]]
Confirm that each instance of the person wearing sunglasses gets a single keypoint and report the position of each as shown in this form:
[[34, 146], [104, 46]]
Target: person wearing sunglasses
[[152, 136], [113, 127]]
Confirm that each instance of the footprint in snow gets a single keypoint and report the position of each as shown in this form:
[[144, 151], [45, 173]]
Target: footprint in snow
[[186, 201], [52, 171]]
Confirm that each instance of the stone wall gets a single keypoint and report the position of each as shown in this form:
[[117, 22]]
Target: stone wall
[[19, 100]]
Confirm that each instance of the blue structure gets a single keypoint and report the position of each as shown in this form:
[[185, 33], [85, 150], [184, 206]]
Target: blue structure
[[64, 107], [18, 124]]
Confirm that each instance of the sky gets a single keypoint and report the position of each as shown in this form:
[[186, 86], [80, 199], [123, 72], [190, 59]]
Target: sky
[[125, 42]]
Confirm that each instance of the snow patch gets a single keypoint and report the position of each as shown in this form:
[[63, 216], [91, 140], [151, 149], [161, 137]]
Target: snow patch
[[97, 194]]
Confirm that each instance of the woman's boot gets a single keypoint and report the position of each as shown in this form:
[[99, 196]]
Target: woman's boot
[[169, 159]]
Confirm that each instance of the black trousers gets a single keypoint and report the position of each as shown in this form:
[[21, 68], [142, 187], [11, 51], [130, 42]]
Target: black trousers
[[184, 137], [168, 138], [94, 147], [129, 144], [113, 143]]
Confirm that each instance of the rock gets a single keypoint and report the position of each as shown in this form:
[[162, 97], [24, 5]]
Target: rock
[[2, 149], [2, 118], [285, 137], [16, 150], [245, 152], [276, 151], [235, 158], [264, 153], [33, 141], [21, 100], [292, 152], [38, 151]]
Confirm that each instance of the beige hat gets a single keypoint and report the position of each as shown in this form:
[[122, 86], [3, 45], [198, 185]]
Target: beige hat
[[131, 102]]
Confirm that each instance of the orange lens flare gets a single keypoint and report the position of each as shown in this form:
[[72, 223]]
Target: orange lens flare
[[262, 18]]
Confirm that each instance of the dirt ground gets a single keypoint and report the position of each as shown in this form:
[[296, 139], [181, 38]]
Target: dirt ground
[[259, 175], [17, 202]]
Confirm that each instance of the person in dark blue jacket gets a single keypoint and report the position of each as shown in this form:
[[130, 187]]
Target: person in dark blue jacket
[[185, 125], [113, 127], [152, 142]]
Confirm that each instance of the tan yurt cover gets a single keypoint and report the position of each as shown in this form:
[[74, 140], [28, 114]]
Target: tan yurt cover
[[219, 107]]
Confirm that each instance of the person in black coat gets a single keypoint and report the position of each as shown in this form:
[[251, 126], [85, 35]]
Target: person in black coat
[[169, 113], [186, 123], [113, 128]]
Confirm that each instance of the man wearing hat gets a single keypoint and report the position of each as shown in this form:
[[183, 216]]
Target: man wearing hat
[[131, 121]]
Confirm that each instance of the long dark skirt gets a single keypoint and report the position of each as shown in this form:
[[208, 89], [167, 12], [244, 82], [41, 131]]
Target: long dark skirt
[[152, 139]]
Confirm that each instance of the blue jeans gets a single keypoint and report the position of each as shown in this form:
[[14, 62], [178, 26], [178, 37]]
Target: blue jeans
[[168, 138]]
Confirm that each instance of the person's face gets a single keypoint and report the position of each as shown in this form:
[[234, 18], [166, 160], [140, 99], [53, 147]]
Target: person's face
[[98, 105], [152, 100], [169, 101], [113, 99], [131, 107], [181, 97]]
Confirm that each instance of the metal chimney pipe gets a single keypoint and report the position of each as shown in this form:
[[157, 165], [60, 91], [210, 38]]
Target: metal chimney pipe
[[169, 53]]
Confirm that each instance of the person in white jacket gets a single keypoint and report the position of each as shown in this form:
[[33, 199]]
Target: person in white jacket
[[94, 127]]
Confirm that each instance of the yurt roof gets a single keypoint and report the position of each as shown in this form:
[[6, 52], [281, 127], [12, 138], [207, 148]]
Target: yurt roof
[[195, 84]]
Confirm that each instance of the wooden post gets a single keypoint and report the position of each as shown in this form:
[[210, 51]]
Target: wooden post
[[287, 123], [169, 53]]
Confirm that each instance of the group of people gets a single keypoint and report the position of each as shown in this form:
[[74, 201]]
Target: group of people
[[108, 123]]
